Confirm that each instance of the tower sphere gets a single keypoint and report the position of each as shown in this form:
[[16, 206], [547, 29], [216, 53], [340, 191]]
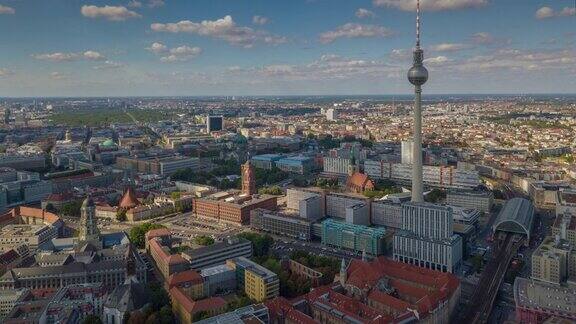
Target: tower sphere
[[418, 75]]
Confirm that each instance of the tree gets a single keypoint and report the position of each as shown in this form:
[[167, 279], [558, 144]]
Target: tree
[[50, 208], [137, 233], [204, 240], [121, 215], [92, 319], [200, 316], [158, 296], [176, 195], [273, 190], [72, 208], [260, 243], [435, 195]]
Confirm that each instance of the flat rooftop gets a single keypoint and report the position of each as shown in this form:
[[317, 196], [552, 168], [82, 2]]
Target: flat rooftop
[[533, 294]]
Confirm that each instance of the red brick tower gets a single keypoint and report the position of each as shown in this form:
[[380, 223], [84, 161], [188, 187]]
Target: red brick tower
[[248, 179]]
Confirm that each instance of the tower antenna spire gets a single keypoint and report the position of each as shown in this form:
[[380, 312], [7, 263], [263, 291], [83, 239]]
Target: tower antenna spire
[[417, 23]]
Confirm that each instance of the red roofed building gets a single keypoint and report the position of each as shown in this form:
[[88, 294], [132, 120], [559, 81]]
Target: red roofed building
[[189, 281], [166, 262], [185, 308], [129, 199], [359, 182], [380, 291]]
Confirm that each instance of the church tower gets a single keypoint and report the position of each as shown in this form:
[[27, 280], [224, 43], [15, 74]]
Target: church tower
[[343, 277], [88, 228], [248, 179]]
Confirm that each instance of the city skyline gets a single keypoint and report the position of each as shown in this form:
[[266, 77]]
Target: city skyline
[[177, 48]]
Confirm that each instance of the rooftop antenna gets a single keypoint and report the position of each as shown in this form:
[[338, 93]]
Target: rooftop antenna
[[418, 23]]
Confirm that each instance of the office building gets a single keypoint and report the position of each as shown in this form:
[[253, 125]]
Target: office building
[[480, 200], [257, 282], [427, 237], [32, 235], [336, 165], [296, 164], [217, 253], [386, 213], [332, 114], [554, 261], [214, 123], [279, 224], [406, 151], [566, 202], [309, 203], [266, 161], [434, 176], [9, 298], [336, 203], [23, 161], [565, 227], [256, 313], [160, 165], [231, 207], [357, 238], [358, 214], [218, 279]]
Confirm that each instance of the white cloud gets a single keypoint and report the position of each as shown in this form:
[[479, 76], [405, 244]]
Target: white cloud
[[157, 48], [432, 5], [68, 57], [364, 13], [547, 12], [57, 57], [108, 65], [224, 28], [260, 20], [93, 56], [58, 76], [449, 47], [567, 12], [155, 3], [113, 13], [483, 38], [5, 72], [177, 54], [353, 30], [5, 10], [437, 60], [544, 12], [134, 4]]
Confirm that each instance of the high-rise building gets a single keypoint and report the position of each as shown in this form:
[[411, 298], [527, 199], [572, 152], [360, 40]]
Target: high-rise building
[[417, 75], [214, 123], [332, 114], [248, 179], [427, 237], [406, 150]]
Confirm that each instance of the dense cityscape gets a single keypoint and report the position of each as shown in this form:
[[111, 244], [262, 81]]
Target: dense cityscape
[[289, 209]]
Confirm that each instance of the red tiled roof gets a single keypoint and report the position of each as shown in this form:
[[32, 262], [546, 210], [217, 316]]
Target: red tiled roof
[[129, 199], [393, 302], [192, 306], [159, 232], [183, 277]]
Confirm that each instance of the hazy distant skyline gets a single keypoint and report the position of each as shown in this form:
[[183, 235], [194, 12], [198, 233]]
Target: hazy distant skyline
[[270, 47]]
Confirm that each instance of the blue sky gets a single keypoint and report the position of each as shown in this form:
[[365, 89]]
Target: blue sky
[[277, 47]]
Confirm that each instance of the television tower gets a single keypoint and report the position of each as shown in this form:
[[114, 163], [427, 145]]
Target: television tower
[[417, 75]]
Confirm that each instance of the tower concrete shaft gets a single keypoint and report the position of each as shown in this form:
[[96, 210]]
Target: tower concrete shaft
[[417, 173], [417, 75]]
